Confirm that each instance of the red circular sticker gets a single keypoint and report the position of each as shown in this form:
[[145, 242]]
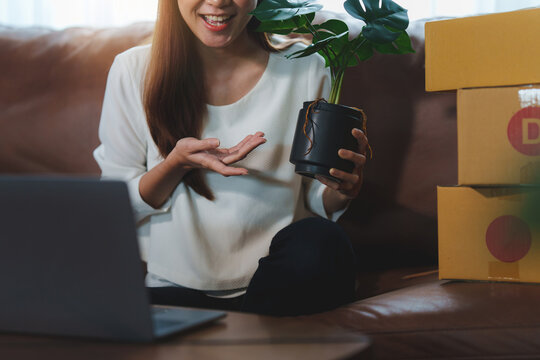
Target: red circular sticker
[[524, 131], [508, 238]]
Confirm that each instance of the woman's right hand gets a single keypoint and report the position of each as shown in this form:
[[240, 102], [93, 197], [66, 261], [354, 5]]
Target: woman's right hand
[[191, 153]]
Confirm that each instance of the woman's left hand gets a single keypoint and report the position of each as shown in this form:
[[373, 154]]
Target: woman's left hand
[[350, 183]]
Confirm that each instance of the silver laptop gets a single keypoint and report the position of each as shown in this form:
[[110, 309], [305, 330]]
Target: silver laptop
[[70, 265]]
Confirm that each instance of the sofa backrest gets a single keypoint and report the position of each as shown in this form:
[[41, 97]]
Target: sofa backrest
[[51, 94], [50, 102]]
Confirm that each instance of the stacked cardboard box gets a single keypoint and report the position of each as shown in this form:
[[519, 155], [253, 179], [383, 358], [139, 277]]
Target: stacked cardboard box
[[489, 228]]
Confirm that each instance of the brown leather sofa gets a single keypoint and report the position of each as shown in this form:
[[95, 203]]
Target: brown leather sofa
[[51, 91]]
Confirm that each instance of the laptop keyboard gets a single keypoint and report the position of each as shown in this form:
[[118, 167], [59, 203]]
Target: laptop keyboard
[[159, 310]]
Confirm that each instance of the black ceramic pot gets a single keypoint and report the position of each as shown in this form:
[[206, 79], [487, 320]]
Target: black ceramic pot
[[329, 127]]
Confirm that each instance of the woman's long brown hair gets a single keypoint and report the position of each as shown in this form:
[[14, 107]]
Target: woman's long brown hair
[[174, 95]]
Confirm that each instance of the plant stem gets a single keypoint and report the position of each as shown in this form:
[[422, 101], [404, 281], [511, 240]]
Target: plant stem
[[359, 45], [337, 76], [340, 86], [335, 92]]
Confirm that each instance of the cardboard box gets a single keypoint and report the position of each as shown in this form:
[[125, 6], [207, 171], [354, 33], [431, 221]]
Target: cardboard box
[[499, 135], [486, 234], [482, 51]]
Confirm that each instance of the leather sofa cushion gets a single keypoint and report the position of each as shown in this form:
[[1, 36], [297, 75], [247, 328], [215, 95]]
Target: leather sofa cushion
[[448, 320]]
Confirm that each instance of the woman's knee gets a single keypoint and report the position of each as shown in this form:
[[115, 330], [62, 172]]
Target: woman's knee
[[318, 242], [310, 268], [312, 232]]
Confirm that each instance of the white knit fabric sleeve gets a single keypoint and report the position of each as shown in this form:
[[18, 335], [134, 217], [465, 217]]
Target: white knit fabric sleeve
[[123, 150], [314, 197]]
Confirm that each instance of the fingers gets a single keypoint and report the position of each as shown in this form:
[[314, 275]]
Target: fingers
[[331, 184], [225, 170], [192, 145], [362, 140], [240, 144], [349, 184], [206, 154], [246, 147], [348, 180], [211, 162], [359, 160]]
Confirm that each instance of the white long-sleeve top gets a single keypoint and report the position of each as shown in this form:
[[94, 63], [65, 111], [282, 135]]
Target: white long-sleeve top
[[215, 245]]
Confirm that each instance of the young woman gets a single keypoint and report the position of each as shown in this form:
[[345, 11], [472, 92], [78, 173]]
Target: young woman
[[200, 124]]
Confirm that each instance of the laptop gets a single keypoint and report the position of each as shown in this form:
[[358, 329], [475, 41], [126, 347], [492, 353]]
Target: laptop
[[70, 265]]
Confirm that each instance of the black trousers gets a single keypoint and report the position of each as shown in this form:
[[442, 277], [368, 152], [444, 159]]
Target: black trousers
[[310, 268]]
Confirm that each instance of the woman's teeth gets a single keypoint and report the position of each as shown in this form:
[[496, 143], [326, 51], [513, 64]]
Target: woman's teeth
[[216, 20]]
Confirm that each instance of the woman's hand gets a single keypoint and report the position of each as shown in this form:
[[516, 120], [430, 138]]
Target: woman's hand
[[191, 153], [156, 186], [350, 184]]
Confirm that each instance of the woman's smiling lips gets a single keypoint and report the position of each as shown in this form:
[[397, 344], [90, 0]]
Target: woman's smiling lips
[[216, 22]]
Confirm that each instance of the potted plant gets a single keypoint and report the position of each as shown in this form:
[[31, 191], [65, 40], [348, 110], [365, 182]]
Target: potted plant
[[324, 126]]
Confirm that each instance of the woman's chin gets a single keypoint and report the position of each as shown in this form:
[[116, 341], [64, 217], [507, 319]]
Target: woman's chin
[[216, 42]]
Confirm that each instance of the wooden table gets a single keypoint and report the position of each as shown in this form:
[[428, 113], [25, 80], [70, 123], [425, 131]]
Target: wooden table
[[237, 336]]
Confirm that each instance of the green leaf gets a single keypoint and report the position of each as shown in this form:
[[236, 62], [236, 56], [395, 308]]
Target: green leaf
[[333, 26], [270, 28], [378, 17], [272, 10], [364, 53], [378, 33], [403, 43], [284, 27], [353, 55], [357, 50], [335, 29], [338, 31], [363, 49], [316, 46], [388, 48], [311, 49]]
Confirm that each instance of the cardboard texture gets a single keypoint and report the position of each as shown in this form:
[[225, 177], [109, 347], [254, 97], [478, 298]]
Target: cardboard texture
[[482, 51], [499, 135], [484, 234]]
